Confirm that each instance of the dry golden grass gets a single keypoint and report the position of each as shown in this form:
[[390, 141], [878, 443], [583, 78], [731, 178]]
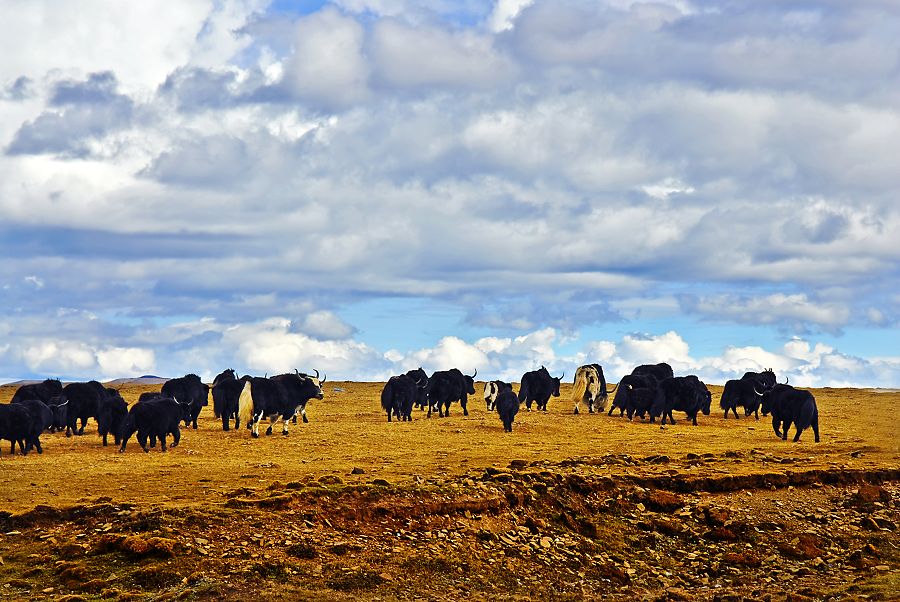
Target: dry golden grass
[[224, 516], [348, 430]]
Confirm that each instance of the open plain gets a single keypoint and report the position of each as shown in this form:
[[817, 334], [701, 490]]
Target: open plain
[[350, 506]]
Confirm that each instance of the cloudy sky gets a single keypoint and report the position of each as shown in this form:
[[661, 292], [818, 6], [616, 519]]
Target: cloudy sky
[[366, 186]]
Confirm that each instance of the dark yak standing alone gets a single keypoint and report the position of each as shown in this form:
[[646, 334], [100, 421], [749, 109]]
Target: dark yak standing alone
[[447, 386], [507, 403], [538, 386], [791, 406]]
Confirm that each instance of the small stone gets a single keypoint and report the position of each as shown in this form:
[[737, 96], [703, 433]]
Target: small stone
[[357, 470]]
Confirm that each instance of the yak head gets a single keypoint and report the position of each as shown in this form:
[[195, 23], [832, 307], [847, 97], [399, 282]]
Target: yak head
[[554, 381], [59, 407], [470, 382], [706, 400], [317, 382]]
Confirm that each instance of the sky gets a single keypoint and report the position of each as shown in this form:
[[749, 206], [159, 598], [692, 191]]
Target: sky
[[363, 187]]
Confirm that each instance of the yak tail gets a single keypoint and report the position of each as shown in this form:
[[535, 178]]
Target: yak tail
[[581, 384], [523, 391], [614, 388], [245, 404], [387, 400]]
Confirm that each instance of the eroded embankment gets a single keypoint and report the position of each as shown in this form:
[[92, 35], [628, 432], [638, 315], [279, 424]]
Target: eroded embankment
[[530, 530]]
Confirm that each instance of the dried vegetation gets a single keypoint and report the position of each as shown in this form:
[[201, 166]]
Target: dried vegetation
[[565, 507]]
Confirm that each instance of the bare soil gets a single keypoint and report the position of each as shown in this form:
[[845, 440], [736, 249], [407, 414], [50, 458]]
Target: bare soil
[[565, 507]]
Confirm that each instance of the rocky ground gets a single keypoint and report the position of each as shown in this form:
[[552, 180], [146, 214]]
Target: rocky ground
[[526, 530]]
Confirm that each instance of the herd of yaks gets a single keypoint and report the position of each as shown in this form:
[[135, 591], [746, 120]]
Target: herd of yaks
[[651, 391]]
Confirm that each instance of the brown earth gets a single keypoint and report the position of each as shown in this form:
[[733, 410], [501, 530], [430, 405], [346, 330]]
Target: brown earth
[[565, 507]]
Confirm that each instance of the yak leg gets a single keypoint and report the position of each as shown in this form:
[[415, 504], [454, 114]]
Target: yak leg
[[285, 421], [303, 414], [162, 441], [797, 435], [776, 424], [815, 427], [463, 403], [694, 419], [785, 425]]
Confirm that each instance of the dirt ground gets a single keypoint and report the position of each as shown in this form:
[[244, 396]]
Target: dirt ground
[[350, 506]]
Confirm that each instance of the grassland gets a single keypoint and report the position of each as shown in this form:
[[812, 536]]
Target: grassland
[[566, 507]]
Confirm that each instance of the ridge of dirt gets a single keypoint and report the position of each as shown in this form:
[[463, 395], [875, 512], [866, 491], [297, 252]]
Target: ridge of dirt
[[520, 532]]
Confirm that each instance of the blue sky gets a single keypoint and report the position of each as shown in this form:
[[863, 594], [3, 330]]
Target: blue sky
[[366, 186]]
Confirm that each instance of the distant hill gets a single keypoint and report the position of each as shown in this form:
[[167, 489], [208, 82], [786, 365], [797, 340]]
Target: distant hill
[[19, 383], [147, 379]]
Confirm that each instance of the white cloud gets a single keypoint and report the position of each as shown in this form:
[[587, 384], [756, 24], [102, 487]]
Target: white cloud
[[272, 347], [504, 14], [328, 66], [140, 42], [419, 56], [326, 325], [60, 357], [120, 361]]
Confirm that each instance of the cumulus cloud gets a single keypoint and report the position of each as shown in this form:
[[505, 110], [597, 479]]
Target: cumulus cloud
[[328, 67], [58, 357]]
